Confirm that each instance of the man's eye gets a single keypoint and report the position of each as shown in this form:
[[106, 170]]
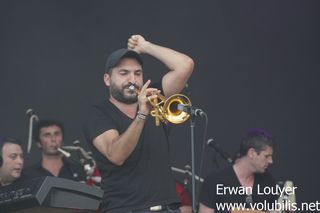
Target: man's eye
[[58, 134], [13, 156]]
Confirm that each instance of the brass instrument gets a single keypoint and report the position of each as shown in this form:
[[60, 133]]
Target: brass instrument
[[166, 110]]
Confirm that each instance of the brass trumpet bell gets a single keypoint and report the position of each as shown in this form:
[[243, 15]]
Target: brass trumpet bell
[[171, 111], [166, 110]]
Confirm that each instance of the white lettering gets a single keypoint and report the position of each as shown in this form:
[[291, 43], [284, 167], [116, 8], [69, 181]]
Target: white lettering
[[219, 188], [232, 190], [277, 190]]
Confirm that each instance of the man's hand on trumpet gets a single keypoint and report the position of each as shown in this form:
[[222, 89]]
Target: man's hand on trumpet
[[146, 97]]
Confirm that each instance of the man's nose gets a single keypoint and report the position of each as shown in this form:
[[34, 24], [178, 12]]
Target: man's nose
[[20, 160], [53, 138], [132, 78]]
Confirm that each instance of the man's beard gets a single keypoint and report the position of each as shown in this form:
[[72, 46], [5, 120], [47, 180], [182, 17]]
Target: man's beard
[[118, 94]]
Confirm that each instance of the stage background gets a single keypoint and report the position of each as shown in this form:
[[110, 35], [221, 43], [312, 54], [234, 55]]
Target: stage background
[[256, 65]]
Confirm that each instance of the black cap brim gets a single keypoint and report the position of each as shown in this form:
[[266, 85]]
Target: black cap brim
[[119, 54]]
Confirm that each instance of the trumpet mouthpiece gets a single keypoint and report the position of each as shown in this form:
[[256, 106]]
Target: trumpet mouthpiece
[[132, 87]]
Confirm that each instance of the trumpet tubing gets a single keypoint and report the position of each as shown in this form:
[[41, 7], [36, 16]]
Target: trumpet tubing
[[166, 110]]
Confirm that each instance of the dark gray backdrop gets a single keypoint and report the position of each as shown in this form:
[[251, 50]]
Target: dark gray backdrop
[[257, 65]]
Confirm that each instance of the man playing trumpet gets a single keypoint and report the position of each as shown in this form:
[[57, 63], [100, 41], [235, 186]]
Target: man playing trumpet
[[131, 152]]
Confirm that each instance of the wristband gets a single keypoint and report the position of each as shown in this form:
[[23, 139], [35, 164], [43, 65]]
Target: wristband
[[141, 115]]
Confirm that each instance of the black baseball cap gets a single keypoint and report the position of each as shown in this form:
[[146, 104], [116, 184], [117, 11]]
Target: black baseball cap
[[119, 54]]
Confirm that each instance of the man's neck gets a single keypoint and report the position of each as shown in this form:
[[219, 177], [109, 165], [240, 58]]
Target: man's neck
[[244, 172], [5, 181], [128, 109], [52, 163]]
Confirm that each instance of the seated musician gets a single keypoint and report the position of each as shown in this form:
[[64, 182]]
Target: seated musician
[[246, 182], [11, 161], [49, 136]]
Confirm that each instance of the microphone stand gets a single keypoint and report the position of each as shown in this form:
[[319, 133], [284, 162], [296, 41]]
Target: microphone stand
[[32, 117], [193, 113], [193, 179]]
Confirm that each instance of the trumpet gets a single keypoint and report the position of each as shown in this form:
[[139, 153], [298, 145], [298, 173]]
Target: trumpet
[[166, 110]]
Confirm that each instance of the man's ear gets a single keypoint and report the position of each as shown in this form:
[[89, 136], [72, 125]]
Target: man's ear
[[106, 79], [252, 152]]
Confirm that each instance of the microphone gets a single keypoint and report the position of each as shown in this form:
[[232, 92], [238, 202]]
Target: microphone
[[187, 172], [64, 152], [86, 160], [85, 156], [218, 149], [77, 147], [191, 110]]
